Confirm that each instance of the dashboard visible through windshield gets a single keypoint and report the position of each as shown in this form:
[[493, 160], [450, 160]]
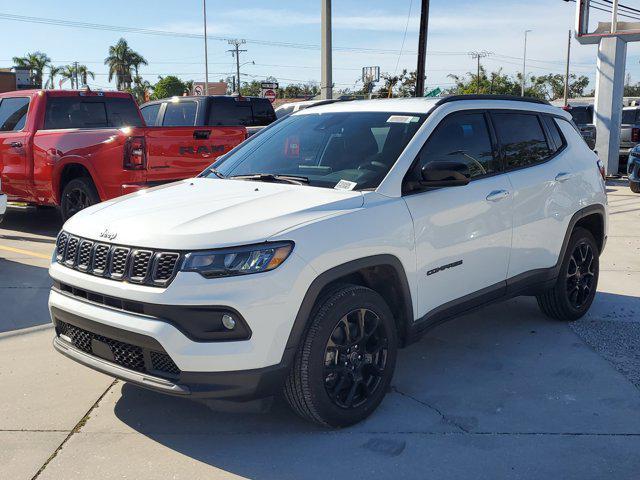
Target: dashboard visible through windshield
[[355, 149]]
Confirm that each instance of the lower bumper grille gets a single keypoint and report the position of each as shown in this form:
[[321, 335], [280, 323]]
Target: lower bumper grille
[[124, 354]]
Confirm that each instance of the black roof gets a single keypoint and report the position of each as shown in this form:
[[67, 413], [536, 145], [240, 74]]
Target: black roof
[[513, 98]]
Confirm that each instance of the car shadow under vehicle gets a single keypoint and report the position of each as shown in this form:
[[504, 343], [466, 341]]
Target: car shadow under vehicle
[[501, 374]]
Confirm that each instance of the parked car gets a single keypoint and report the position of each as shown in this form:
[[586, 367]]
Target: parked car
[[3, 203], [77, 148], [293, 107], [583, 118], [254, 113], [301, 261], [629, 133], [633, 169]]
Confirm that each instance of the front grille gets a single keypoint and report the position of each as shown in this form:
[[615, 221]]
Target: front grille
[[117, 262], [124, 354]]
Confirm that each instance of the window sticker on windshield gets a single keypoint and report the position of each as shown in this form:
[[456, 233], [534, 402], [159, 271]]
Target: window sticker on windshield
[[402, 119], [345, 185]]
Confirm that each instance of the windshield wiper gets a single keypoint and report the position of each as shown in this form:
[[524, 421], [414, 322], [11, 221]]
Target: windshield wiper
[[270, 177]]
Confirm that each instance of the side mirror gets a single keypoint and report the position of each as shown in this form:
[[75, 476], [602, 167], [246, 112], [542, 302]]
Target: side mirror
[[445, 174]]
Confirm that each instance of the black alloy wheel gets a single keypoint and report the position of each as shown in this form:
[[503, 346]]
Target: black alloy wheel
[[580, 274], [355, 358]]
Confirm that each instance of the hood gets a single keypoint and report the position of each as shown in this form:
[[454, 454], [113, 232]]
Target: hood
[[203, 213]]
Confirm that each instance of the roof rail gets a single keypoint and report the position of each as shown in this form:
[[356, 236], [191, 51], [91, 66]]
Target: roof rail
[[513, 98]]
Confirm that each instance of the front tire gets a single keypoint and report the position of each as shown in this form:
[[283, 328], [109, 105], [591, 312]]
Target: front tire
[[574, 291], [77, 195], [345, 363], [635, 186]]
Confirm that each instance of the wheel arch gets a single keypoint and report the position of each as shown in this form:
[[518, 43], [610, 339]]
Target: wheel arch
[[384, 274], [70, 168]]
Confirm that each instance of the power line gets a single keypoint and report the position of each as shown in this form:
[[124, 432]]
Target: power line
[[404, 37]]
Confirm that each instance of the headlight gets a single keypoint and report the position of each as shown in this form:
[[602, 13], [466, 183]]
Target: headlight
[[238, 261]]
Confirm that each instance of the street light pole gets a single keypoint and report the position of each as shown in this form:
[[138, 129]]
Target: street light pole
[[236, 52], [422, 48], [524, 62], [566, 74], [206, 56], [326, 81]]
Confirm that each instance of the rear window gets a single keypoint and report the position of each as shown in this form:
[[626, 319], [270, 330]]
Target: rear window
[[180, 114], [230, 112], [13, 113], [582, 115], [630, 116], [90, 112], [263, 113]]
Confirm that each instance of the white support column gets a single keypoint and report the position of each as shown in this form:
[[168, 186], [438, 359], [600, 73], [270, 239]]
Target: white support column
[[612, 54]]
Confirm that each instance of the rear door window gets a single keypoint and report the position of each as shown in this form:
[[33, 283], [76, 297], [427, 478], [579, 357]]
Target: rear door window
[[13, 114], [180, 114], [150, 113], [90, 112], [522, 139]]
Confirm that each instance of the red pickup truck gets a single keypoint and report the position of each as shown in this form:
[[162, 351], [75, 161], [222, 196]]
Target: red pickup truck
[[77, 148]]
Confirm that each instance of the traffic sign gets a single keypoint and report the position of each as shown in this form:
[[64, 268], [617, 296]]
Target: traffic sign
[[270, 95]]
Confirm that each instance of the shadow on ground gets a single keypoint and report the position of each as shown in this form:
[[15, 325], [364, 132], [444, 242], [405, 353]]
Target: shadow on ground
[[23, 295], [501, 378], [46, 222]]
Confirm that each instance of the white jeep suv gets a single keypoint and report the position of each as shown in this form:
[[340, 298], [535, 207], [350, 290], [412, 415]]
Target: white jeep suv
[[302, 260]]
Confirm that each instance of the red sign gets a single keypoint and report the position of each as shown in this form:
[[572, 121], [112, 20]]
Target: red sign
[[270, 94]]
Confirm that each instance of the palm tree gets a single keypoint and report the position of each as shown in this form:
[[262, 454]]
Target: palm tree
[[120, 60], [53, 72], [36, 62], [69, 72], [84, 73]]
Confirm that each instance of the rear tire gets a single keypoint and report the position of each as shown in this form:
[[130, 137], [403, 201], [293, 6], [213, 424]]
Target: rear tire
[[77, 195], [574, 291], [345, 363], [635, 186]]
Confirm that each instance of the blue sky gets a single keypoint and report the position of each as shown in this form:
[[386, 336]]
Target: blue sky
[[456, 27]]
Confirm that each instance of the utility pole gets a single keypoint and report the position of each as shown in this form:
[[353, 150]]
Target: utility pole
[[206, 55], [422, 48], [524, 62], [477, 56], [75, 74], [236, 53], [326, 81], [566, 74]]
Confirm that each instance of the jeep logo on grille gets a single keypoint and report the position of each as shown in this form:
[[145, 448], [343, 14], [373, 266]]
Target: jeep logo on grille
[[108, 235]]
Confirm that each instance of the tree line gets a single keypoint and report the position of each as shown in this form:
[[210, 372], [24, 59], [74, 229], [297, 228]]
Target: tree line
[[124, 64]]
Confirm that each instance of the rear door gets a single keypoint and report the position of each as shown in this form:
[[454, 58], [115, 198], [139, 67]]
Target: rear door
[[15, 146], [544, 186]]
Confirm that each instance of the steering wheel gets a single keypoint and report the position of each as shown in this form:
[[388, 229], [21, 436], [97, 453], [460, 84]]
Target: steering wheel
[[373, 165]]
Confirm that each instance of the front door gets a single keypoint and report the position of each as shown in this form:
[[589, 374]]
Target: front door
[[462, 234]]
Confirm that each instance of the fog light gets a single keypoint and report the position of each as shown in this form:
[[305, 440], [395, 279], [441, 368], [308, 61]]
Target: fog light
[[228, 322]]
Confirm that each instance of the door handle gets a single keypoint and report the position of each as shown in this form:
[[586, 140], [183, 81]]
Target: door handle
[[15, 144], [497, 195], [563, 176]]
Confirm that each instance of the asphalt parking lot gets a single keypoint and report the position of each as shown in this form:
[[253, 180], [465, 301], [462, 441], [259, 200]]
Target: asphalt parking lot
[[500, 393]]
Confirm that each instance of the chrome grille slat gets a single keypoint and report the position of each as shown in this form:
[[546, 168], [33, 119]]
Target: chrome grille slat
[[117, 262], [84, 255], [71, 251]]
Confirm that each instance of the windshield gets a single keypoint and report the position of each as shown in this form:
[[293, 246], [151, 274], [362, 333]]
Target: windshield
[[358, 148]]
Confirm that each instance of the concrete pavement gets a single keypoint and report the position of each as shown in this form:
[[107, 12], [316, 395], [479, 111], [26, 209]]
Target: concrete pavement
[[501, 393]]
